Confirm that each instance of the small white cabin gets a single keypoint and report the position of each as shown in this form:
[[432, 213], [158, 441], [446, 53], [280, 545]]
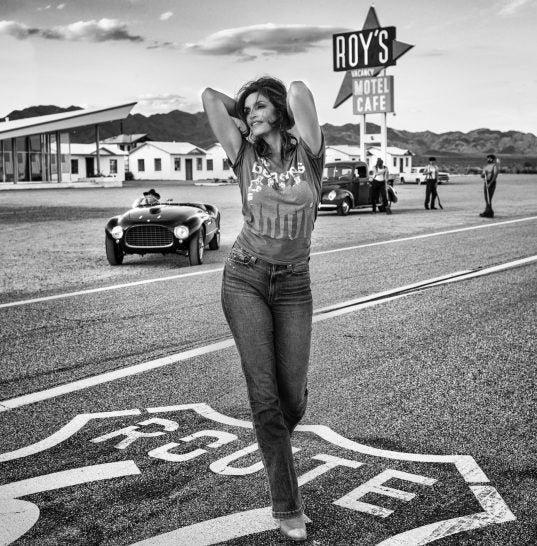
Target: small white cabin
[[218, 165], [342, 152], [398, 160], [157, 160], [84, 161]]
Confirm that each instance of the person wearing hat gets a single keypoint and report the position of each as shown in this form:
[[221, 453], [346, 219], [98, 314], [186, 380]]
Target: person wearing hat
[[490, 174], [151, 197], [431, 181]]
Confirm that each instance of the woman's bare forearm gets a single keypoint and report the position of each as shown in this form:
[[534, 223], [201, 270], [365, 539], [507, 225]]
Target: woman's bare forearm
[[229, 103]]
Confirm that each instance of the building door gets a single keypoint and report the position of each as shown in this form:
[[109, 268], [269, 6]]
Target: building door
[[90, 169], [188, 168], [401, 164]]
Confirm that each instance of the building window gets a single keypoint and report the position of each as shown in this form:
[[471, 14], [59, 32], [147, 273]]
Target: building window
[[407, 161], [395, 162], [177, 163], [113, 166], [225, 164], [209, 164], [141, 165], [199, 164], [158, 164], [74, 166]]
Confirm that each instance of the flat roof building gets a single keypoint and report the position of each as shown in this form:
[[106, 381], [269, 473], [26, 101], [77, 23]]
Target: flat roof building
[[31, 149]]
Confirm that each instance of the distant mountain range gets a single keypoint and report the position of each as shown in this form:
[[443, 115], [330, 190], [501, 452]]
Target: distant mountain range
[[184, 127]]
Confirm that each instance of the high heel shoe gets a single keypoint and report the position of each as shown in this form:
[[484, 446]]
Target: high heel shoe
[[294, 528]]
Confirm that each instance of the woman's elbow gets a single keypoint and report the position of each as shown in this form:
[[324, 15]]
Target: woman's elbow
[[298, 88], [207, 93]]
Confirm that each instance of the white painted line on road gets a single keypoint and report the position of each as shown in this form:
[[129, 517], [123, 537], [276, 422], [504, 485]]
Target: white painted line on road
[[321, 314], [218, 270], [63, 433], [107, 377], [18, 516], [107, 288], [218, 530], [424, 236], [495, 511]]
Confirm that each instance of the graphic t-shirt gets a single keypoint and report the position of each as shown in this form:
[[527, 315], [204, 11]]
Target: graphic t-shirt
[[279, 206]]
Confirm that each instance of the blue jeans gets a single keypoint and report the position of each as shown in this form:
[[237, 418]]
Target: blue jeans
[[269, 310]]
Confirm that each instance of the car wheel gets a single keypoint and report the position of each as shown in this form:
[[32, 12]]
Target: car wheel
[[345, 207], [402, 180], [113, 252], [196, 248], [215, 241]]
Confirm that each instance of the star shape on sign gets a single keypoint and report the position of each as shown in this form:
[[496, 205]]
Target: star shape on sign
[[399, 49]]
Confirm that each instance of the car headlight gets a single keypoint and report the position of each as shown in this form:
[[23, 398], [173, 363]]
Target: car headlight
[[332, 195], [117, 232], [181, 232]]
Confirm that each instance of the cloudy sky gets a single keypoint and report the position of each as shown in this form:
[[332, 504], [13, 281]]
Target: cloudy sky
[[472, 65]]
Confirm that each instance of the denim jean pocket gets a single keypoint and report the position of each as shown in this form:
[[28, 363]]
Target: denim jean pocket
[[301, 268], [238, 256]]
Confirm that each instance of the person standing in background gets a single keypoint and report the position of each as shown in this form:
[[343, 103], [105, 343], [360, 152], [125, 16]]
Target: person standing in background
[[431, 181], [379, 179], [490, 175]]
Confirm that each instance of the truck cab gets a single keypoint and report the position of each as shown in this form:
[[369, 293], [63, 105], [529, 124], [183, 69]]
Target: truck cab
[[345, 186]]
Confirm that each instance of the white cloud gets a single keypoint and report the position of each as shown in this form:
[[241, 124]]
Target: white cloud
[[60, 6], [265, 39], [149, 104], [89, 31], [165, 16], [510, 7]]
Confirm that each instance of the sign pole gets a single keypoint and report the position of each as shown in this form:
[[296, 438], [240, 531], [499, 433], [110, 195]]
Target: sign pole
[[363, 156], [384, 131]]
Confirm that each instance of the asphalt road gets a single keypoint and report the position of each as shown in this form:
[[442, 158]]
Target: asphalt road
[[123, 409]]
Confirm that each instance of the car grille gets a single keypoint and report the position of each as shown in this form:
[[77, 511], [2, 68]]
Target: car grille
[[149, 236]]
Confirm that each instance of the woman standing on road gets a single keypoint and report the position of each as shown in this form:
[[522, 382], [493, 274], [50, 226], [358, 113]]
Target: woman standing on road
[[266, 293], [379, 182]]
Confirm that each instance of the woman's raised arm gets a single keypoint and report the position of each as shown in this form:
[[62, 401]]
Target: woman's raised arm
[[220, 110], [301, 105]]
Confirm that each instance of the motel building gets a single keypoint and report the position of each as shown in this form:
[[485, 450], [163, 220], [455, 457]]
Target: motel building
[[38, 150], [398, 160], [112, 161], [181, 161]]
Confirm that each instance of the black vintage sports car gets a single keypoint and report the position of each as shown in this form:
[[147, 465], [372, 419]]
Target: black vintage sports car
[[163, 228]]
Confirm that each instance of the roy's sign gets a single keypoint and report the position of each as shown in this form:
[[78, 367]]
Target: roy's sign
[[363, 49], [184, 474], [372, 95]]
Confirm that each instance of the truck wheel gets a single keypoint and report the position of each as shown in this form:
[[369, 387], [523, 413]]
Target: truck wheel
[[345, 207]]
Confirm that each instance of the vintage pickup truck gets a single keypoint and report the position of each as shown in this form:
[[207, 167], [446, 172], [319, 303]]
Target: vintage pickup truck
[[346, 186]]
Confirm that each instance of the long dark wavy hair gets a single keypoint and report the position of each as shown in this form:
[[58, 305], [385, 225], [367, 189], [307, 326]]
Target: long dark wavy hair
[[276, 93]]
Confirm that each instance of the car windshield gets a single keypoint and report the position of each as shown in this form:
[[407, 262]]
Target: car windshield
[[341, 172]]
